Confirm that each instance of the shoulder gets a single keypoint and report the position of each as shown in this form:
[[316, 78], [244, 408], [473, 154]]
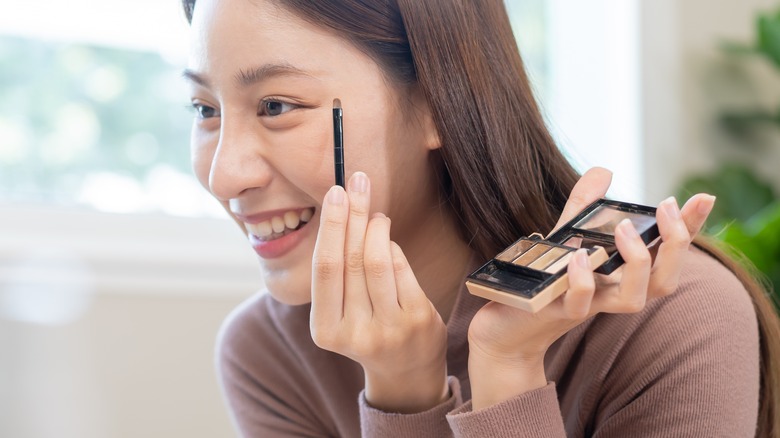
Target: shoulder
[[265, 338], [693, 354], [274, 377], [710, 302], [261, 321], [710, 315]]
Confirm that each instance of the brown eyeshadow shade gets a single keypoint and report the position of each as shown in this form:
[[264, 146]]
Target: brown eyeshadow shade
[[531, 255], [560, 263], [548, 258], [515, 250]]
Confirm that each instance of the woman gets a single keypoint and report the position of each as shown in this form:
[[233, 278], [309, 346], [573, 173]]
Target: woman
[[367, 327]]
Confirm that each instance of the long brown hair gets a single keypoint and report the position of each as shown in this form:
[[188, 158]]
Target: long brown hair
[[490, 126]]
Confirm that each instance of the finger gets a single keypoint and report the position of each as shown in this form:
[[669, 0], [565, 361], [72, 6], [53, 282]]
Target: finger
[[378, 260], [631, 294], [410, 295], [327, 283], [592, 186], [696, 211], [675, 239], [582, 285], [356, 299]]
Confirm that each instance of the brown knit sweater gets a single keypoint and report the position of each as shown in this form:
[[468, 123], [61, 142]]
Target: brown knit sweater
[[685, 366]]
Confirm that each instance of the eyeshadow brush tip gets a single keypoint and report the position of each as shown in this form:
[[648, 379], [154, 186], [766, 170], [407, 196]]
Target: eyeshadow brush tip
[[336, 103]]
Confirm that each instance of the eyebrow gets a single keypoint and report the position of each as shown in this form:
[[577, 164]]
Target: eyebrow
[[246, 78]]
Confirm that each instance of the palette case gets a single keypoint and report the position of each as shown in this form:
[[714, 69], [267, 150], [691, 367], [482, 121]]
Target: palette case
[[532, 272]]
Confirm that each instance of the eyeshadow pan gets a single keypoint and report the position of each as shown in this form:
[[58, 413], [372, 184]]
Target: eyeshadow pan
[[531, 255], [605, 218], [560, 263], [515, 250], [548, 258]]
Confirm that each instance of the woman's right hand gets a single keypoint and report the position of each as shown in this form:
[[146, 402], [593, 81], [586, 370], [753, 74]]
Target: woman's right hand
[[367, 305]]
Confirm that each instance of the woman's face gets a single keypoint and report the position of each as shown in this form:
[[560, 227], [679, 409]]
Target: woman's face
[[263, 83]]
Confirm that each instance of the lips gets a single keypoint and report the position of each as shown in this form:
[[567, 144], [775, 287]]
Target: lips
[[280, 225], [274, 237]]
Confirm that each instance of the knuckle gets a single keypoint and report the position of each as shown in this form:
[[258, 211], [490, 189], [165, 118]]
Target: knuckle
[[421, 316], [399, 264], [357, 208], [333, 223], [579, 198], [354, 262], [678, 241], [376, 266], [326, 266], [641, 258]]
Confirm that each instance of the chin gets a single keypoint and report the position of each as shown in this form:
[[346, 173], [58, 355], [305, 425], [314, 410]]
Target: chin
[[287, 293]]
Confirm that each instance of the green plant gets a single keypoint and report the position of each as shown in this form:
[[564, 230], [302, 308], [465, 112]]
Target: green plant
[[747, 213]]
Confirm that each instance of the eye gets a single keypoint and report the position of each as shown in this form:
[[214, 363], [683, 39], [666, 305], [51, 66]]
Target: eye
[[272, 108], [205, 111]]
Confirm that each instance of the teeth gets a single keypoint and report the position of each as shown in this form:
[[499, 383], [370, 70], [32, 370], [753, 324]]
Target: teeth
[[291, 220], [264, 229], [278, 226]]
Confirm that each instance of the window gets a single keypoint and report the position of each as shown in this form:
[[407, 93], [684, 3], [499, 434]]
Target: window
[[93, 111], [96, 191], [583, 58]]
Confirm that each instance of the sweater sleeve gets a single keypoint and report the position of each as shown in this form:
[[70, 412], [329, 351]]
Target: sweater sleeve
[[533, 414], [432, 423]]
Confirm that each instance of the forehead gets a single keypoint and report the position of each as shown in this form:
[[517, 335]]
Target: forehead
[[231, 34]]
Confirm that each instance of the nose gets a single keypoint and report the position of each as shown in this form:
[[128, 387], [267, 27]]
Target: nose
[[239, 163]]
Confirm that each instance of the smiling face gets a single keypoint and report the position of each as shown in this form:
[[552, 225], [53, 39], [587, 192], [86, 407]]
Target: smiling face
[[263, 83]]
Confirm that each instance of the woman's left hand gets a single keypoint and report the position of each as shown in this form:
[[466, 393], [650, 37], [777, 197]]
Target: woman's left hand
[[507, 345]]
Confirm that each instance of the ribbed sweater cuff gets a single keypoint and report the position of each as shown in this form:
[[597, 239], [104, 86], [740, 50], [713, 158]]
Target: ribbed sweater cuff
[[533, 414], [430, 423]]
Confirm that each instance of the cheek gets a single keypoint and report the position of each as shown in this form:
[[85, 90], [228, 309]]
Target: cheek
[[304, 156], [201, 155]]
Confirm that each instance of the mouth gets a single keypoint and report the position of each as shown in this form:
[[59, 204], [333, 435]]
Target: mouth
[[281, 225]]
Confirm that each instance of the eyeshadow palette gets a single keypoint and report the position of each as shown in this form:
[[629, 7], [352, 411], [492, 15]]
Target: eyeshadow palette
[[532, 272]]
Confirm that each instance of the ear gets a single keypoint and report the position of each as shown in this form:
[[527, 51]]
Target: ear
[[424, 117]]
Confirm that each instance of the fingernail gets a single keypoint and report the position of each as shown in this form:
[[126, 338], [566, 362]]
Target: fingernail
[[670, 204], [358, 183], [706, 207], [336, 195], [582, 258], [628, 230], [378, 215]]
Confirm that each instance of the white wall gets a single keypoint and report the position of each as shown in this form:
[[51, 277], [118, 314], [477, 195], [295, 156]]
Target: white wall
[[108, 322]]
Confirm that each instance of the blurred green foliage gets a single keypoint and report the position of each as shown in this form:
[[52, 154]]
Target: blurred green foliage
[[747, 213], [767, 46], [69, 110]]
